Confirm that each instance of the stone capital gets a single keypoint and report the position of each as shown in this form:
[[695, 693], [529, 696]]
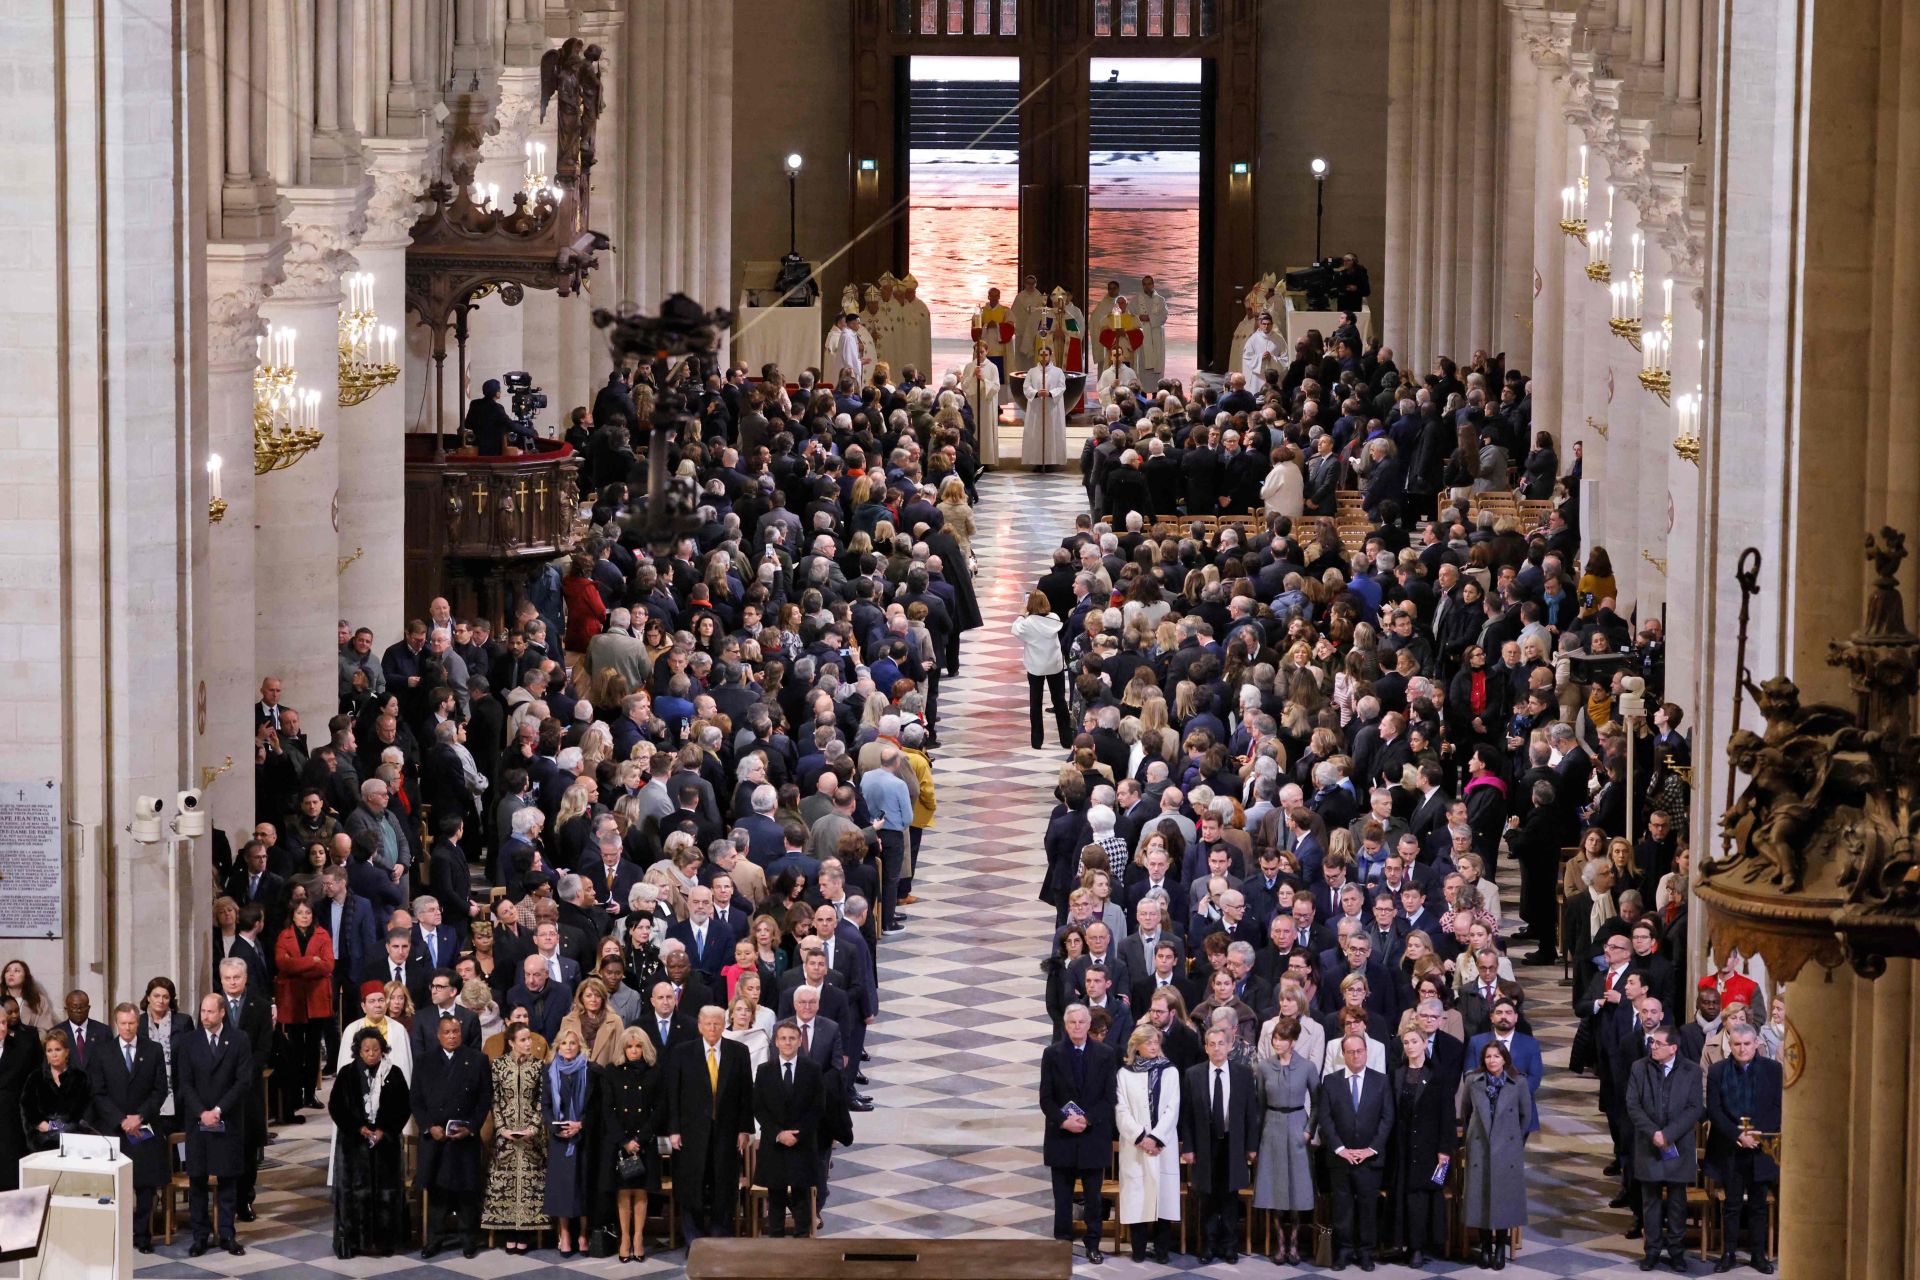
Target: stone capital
[[324, 224], [240, 277], [401, 170], [515, 117]]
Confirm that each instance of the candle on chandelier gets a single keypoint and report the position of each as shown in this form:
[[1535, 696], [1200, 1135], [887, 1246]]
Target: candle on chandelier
[[213, 477], [387, 340], [1583, 162], [1609, 204], [1666, 296], [1639, 259]]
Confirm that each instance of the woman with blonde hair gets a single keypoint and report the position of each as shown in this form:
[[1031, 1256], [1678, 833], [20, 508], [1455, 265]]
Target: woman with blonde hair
[[1147, 1112], [634, 1099], [957, 512], [743, 1028], [596, 744], [593, 1018], [570, 1088]]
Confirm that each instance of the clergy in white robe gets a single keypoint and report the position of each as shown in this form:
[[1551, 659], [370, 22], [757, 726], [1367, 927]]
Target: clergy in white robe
[[914, 324], [851, 353], [980, 388], [1026, 309], [874, 326], [868, 345], [833, 353], [1104, 308], [1043, 441], [1260, 352], [1115, 378], [1151, 309], [1244, 330]]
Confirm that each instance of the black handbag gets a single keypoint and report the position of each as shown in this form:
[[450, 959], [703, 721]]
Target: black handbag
[[630, 1166]]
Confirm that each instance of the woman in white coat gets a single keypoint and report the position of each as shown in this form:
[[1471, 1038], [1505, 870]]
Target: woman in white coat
[[1038, 631], [1147, 1113], [1284, 491]]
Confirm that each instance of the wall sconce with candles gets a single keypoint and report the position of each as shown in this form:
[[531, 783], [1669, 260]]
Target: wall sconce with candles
[[1600, 246], [368, 349], [1625, 321], [1686, 440], [216, 505], [285, 419], [1656, 346], [1573, 203], [538, 185]]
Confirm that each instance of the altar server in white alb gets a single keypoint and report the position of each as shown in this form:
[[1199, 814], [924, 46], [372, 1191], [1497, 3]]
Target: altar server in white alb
[[1151, 310], [1262, 351], [980, 388], [1025, 313], [912, 329], [1043, 443]]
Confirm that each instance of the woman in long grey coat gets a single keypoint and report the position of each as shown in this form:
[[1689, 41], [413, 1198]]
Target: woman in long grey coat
[[1498, 1107], [1288, 1085]]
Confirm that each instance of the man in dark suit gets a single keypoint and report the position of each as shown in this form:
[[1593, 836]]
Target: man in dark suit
[[1743, 1099], [545, 1001], [1219, 1134], [214, 1070], [443, 989], [437, 945], [1159, 878], [1356, 1115], [709, 942], [398, 963], [452, 1094], [129, 1080], [450, 880], [249, 1011], [1665, 1101], [708, 1119], [252, 883], [821, 1038], [1521, 1047], [1079, 1086], [84, 1030], [788, 1102], [663, 1022]]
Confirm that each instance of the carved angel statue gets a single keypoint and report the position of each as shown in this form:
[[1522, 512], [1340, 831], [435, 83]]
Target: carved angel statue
[[593, 100], [564, 72]]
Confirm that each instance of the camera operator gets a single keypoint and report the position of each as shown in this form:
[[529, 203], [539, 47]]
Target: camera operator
[[492, 427], [1351, 287]]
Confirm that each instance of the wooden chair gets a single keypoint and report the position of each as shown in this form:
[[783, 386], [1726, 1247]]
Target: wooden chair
[[178, 1184]]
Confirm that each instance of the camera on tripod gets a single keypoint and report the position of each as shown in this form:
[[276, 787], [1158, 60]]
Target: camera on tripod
[[1317, 282], [527, 399]]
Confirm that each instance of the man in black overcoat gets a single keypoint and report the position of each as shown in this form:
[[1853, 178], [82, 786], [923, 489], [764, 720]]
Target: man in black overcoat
[[19, 1059], [215, 1070], [709, 1119], [788, 1101], [1079, 1086], [129, 1079], [249, 1010], [1219, 1135], [452, 1094], [1743, 1101]]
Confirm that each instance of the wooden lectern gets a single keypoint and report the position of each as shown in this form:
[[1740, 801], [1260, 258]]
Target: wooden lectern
[[843, 1258]]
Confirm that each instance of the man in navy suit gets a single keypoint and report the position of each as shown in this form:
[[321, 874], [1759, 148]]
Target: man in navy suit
[[215, 1071], [545, 1001], [610, 874], [1743, 1098], [709, 942], [1356, 1116], [1079, 1087], [1523, 1048], [129, 1078], [436, 944]]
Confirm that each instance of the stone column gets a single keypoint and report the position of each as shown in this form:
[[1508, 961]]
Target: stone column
[[371, 540], [497, 342], [1813, 1204], [1572, 259], [1482, 63], [410, 95], [1550, 169], [1520, 195], [1683, 478], [297, 606], [335, 159], [1442, 183], [1418, 337], [604, 22], [239, 277]]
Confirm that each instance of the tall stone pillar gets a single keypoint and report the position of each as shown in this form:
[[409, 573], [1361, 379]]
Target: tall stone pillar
[[1519, 191], [371, 539], [497, 341], [1813, 1206], [604, 23], [1571, 301], [1398, 264], [1551, 173], [239, 277], [296, 610]]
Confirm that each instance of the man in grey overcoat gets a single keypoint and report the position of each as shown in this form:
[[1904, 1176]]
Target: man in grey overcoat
[[1666, 1101]]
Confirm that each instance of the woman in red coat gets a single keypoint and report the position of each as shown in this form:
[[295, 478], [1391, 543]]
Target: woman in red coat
[[303, 1006], [586, 611]]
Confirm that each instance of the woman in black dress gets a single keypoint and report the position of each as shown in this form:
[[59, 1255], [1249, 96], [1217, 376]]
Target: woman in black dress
[[1422, 1150], [631, 1101], [370, 1105], [56, 1096]]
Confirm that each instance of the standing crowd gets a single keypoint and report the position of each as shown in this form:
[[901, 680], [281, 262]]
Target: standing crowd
[[1322, 655], [580, 914]]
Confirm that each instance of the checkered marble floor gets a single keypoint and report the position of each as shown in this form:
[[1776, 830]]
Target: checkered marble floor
[[952, 1148]]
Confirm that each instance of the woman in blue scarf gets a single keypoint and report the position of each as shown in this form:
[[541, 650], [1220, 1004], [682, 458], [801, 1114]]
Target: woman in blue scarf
[[572, 1087]]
